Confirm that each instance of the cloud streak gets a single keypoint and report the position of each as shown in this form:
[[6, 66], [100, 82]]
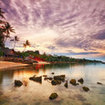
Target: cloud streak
[[75, 24]]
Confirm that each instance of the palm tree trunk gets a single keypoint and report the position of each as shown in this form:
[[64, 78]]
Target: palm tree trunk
[[14, 45]]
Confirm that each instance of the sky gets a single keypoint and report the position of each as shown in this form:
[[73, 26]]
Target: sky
[[75, 28]]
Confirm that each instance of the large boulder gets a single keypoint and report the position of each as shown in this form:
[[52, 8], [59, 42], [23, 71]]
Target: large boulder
[[81, 80], [53, 96], [18, 83], [36, 79], [86, 89], [60, 77], [73, 82], [55, 82]]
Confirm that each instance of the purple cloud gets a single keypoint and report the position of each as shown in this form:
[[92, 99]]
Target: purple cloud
[[77, 24]]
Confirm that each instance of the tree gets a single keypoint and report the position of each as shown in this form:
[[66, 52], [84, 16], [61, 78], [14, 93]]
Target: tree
[[15, 39], [27, 43], [5, 29]]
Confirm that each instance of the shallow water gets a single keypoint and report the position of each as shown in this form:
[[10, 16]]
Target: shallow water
[[33, 93]]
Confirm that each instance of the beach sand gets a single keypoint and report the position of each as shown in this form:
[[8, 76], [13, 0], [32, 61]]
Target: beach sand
[[6, 65], [42, 62]]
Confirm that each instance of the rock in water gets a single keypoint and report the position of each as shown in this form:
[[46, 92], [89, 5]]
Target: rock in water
[[18, 83], [53, 96], [99, 83], [73, 82], [48, 78], [85, 88], [55, 82], [44, 75], [60, 77], [66, 84], [52, 73], [81, 80], [36, 79]]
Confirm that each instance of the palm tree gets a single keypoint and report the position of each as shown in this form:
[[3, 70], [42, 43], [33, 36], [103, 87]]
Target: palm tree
[[27, 43], [24, 45], [5, 29], [8, 28], [1, 29], [16, 39]]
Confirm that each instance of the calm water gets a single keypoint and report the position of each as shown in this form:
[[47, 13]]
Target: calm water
[[38, 94]]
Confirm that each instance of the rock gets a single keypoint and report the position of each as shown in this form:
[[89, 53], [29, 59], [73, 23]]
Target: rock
[[60, 77], [55, 82], [73, 82], [81, 80], [53, 96], [44, 75], [66, 84], [36, 79], [52, 73], [99, 83], [18, 83], [48, 78], [85, 88]]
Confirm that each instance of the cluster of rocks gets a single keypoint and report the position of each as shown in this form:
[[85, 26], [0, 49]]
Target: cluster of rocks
[[36, 79], [55, 80], [81, 81]]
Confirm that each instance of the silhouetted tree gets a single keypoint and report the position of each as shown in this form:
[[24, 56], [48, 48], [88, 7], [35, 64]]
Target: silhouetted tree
[[27, 43], [5, 29]]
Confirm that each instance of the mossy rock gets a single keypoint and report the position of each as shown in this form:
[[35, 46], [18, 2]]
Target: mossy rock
[[36, 79], [81, 80], [55, 82], [18, 83], [73, 82], [53, 96], [86, 89], [60, 77]]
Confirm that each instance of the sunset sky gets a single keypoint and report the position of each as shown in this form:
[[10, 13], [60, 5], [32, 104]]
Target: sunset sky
[[64, 27]]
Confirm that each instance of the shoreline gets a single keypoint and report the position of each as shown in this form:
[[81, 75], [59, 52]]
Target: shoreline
[[8, 65]]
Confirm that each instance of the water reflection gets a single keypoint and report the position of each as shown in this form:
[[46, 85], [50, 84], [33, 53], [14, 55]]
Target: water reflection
[[34, 93]]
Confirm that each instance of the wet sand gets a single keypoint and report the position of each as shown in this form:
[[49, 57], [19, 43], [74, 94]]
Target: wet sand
[[6, 65], [42, 62]]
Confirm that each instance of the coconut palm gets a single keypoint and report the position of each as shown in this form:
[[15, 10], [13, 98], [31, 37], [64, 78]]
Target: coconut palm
[[27, 43], [5, 29], [16, 39], [8, 28], [24, 45]]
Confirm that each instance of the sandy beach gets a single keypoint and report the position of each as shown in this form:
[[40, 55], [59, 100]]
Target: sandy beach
[[6, 64], [42, 62]]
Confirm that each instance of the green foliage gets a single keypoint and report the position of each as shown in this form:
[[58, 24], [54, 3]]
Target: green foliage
[[1, 53], [54, 58]]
